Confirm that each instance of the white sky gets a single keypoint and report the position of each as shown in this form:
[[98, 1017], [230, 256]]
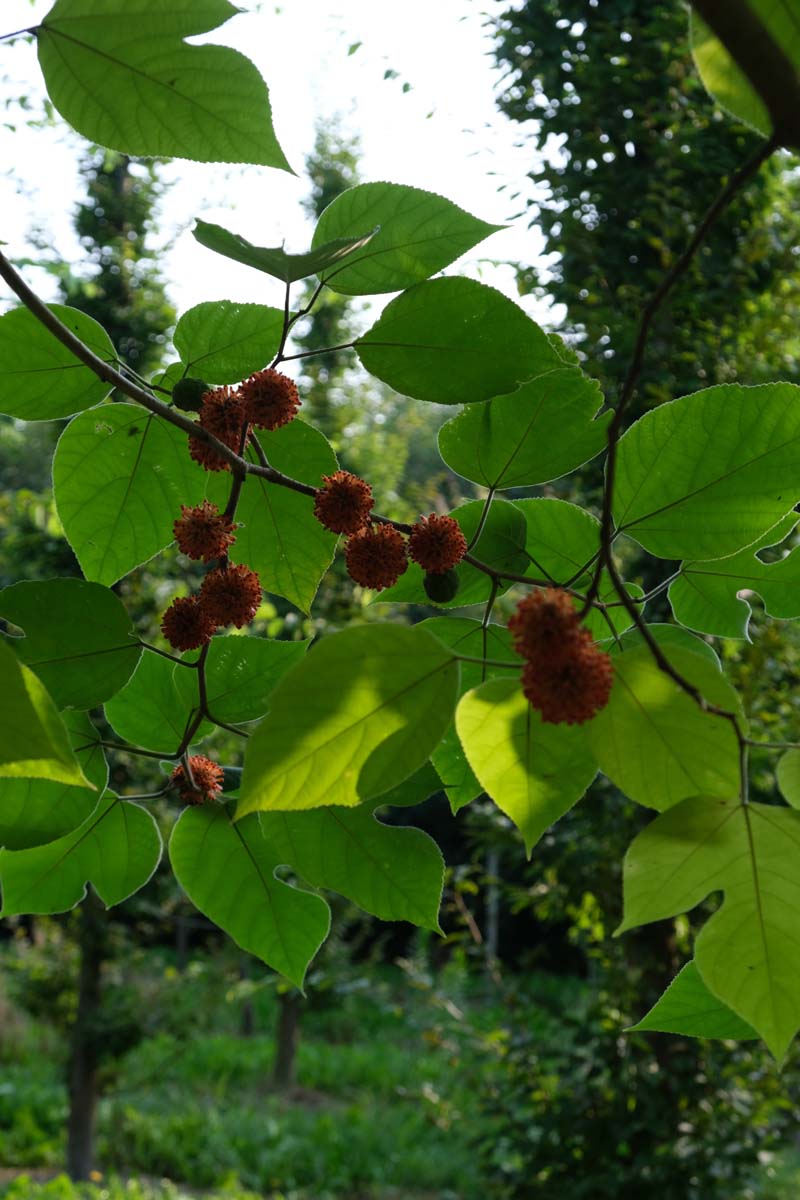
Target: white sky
[[444, 134]]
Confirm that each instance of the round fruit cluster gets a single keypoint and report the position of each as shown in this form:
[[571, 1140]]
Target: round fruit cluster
[[566, 677], [376, 553]]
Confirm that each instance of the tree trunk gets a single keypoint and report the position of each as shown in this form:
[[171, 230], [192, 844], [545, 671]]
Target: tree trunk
[[287, 1036], [83, 1058]]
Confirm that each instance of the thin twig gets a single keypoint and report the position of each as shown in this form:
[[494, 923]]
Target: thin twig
[[487, 504]]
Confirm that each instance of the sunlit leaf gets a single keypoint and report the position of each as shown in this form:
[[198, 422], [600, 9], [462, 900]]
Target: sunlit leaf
[[690, 1009], [40, 379], [223, 342]]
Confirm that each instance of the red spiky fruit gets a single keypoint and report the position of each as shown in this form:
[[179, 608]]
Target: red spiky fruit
[[344, 503], [573, 690], [207, 776], [186, 625], [203, 531], [437, 544], [230, 595], [376, 556], [544, 625], [222, 414], [270, 399]]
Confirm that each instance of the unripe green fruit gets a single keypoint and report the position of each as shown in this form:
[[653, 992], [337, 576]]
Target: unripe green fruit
[[441, 587], [188, 393]]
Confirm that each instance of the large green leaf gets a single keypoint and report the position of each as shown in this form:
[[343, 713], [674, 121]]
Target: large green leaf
[[280, 537], [706, 595], [36, 811], [116, 849], [544, 430], [534, 771], [222, 342], [152, 710], [34, 743], [120, 476], [470, 638], [652, 739], [748, 953], [360, 713], [670, 636], [501, 546], [690, 1009], [788, 776], [78, 638], [418, 234], [274, 260], [722, 76], [121, 74], [40, 379], [709, 474], [454, 341], [394, 873], [241, 674], [228, 872]]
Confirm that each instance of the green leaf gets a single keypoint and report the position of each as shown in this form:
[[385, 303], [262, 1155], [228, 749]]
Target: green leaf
[[671, 635], [707, 475], [124, 78], [418, 234], [228, 872], [117, 849], [222, 342], [534, 771], [34, 743], [706, 596], [120, 476], [152, 711], [653, 741], [542, 431], [36, 811], [241, 674], [360, 713], [690, 1009], [788, 774], [724, 79], [501, 546], [748, 953], [78, 638], [394, 873], [40, 379], [280, 537], [454, 341], [418, 788], [467, 637], [274, 260]]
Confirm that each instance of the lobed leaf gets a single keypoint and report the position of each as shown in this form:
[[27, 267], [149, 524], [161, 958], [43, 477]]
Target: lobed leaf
[[120, 476], [116, 849], [222, 342], [688, 1008], [122, 76], [417, 233], [228, 871], [454, 341], [534, 771], [358, 715], [78, 638], [153, 710], [747, 953], [40, 379]]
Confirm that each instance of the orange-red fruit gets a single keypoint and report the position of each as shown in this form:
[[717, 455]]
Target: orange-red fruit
[[343, 505], [186, 625], [376, 556], [207, 777], [544, 625], [270, 399], [230, 595], [222, 414], [437, 543], [573, 691], [203, 532]]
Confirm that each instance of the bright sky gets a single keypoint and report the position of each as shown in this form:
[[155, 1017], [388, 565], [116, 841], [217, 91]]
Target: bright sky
[[444, 134]]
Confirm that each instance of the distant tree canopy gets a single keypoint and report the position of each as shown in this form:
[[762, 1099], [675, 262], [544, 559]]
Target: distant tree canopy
[[631, 151]]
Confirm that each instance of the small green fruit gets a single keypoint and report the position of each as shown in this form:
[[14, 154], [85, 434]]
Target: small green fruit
[[441, 587], [188, 393]]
